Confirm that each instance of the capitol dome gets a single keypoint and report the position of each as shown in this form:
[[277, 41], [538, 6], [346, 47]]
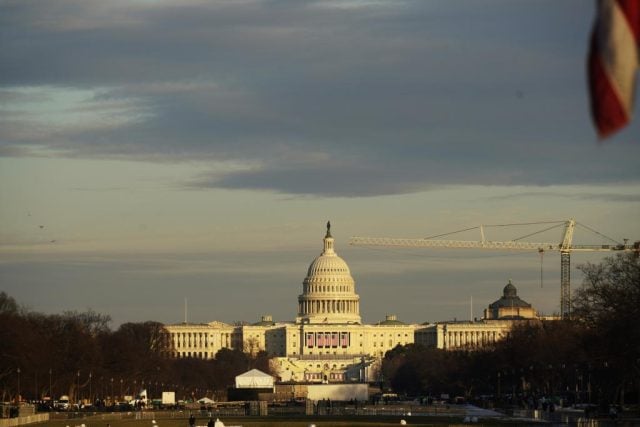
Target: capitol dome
[[328, 293], [328, 263]]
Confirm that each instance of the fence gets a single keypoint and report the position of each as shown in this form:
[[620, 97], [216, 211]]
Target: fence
[[18, 421]]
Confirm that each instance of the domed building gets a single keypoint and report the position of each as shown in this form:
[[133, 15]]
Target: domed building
[[327, 342], [328, 291], [509, 306]]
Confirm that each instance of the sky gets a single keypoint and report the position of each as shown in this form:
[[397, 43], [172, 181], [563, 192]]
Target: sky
[[153, 151]]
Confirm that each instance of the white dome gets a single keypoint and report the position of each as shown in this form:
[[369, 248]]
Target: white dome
[[328, 293], [328, 265]]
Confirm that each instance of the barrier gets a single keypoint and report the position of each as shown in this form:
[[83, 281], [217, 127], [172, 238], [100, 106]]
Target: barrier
[[20, 421]]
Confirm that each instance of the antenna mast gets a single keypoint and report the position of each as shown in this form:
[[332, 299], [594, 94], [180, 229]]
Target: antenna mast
[[185, 310]]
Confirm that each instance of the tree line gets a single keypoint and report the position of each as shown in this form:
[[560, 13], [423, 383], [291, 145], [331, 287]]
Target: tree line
[[78, 355], [592, 358]]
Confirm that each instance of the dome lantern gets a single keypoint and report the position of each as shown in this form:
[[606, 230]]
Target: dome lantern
[[510, 291]]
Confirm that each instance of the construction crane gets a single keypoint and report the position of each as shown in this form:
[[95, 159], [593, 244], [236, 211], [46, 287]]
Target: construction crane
[[565, 247]]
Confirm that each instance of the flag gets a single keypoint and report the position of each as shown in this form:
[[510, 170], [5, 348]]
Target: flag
[[310, 339], [613, 64], [335, 339], [344, 339]]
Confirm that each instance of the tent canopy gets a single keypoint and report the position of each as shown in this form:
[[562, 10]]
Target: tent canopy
[[205, 400], [254, 379]]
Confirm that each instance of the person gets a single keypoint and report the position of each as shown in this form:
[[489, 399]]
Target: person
[[192, 420], [210, 423]]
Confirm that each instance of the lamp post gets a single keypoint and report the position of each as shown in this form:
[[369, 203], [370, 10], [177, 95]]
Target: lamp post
[[78, 397], [18, 371], [50, 391], [157, 378], [120, 388], [90, 399], [112, 399]]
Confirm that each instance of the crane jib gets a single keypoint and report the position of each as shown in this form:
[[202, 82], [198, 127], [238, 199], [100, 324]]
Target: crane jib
[[565, 248]]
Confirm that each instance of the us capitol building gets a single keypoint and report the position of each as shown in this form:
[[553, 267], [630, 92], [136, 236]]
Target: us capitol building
[[328, 342]]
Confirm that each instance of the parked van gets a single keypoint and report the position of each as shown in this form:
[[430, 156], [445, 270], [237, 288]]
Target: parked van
[[63, 403]]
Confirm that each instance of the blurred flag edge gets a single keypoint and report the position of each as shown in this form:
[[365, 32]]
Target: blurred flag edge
[[613, 64]]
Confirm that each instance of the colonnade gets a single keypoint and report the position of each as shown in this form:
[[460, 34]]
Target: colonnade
[[457, 339], [328, 306]]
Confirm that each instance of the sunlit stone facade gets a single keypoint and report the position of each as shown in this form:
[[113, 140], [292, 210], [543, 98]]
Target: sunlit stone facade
[[463, 335], [327, 342], [201, 341]]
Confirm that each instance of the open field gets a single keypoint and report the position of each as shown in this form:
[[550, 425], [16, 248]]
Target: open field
[[359, 421]]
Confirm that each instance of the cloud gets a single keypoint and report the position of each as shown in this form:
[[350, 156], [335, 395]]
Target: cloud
[[356, 98], [592, 196]]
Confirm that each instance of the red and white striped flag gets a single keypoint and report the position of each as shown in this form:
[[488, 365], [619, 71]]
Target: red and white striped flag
[[613, 64]]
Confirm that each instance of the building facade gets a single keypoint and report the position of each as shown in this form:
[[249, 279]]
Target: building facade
[[327, 341]]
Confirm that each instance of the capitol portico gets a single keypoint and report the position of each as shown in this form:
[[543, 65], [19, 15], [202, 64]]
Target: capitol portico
[[327, 341]]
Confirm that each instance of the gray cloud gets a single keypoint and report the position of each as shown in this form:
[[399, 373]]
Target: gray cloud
[[320, 98], [593, 196]]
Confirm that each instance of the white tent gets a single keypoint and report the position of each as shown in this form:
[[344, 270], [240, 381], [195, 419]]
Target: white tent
[[206, 400], [254, 379]]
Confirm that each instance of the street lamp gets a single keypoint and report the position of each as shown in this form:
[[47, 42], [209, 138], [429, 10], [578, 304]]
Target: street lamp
[[50, 391], [78, 397], [120, 388], [90, 400], [18, 370], [112, 400]]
